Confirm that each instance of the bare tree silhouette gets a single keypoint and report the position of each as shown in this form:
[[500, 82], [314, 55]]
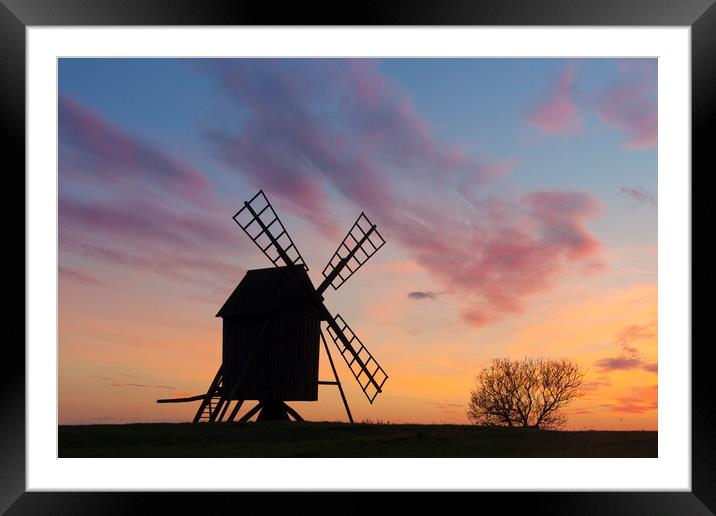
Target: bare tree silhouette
[[524, 392]]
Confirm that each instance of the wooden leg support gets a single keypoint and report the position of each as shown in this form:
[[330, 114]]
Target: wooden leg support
[[251, 413], [235, 411], [338, 382], [292, 412]]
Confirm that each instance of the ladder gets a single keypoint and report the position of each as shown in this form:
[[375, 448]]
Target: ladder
[[213, 402]]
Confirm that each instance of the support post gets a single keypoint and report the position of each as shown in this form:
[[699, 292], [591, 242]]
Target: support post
[[235, 411], [335, 375], [292, 412], [217, 410], [251, 413], [223, 411]]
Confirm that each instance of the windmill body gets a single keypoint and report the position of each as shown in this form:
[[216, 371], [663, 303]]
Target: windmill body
[[272, 321], [254, 320]]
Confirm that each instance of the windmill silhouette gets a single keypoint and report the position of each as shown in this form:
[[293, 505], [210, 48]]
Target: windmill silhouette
[[272, 325]]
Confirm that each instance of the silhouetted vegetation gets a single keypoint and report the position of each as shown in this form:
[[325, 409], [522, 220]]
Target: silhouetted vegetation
[[524, 392]]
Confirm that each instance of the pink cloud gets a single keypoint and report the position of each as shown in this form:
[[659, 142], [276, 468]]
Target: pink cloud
[[630, 357], [638, 400], [79, 277], [630, 105], [188, 266], [98, 152], [619, 363], [143, 222], [557, 114], [597, 384], [632, 406], [652, 367], [636, 333], [346, 128], [149, 211]]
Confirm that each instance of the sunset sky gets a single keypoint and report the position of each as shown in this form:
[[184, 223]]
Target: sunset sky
[[518, 199]]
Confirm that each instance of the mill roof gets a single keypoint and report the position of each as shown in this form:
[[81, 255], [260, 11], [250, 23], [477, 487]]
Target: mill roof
[[264, 291]]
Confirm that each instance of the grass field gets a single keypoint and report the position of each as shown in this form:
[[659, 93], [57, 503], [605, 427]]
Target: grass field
[[343, 440]]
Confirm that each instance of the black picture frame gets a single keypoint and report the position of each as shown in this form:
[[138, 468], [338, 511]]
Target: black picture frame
[[17, 15]]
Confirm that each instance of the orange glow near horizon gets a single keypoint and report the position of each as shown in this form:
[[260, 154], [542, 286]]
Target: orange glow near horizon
[[117, 357]]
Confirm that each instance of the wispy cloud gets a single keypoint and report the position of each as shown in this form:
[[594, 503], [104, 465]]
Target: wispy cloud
[[446, 407], [342, 125], [630, 405], [419, 295], [652, 367], [79, 277], [638, 194], [557, 114], [631, 400], [594, 385], [630, 104], [635, 333], [149, 211], [97, 152], [144, 386], [100, 377], [620, 363], [630, 356], [112, 382]]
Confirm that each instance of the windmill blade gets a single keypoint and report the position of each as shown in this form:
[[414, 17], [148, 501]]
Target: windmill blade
[[361, 242], [365, 368], [260, 222]]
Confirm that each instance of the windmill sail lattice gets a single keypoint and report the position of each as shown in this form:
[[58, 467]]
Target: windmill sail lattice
[[259, 221], [361, 242], [365, 368]]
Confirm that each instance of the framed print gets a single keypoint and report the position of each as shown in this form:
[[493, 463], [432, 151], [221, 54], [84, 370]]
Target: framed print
[[445, 248]]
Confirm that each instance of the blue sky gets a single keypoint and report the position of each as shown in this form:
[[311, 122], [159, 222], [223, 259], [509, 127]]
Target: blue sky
[[479, 102]]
